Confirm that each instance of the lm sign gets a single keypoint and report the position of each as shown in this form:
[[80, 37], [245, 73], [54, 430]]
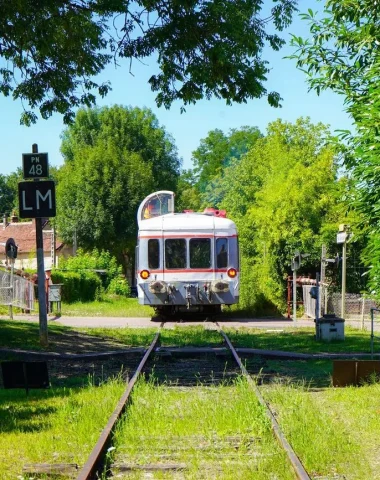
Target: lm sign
[[37, 199]]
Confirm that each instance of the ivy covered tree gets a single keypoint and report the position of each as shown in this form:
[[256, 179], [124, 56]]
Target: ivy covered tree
[[53, 49]]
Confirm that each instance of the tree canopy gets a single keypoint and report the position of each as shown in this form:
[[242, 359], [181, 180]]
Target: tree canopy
[[343, 55], [114, 157], [201, 186], [52, 50], [283, 195]]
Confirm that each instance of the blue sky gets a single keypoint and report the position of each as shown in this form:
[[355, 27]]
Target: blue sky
[[188, 128]]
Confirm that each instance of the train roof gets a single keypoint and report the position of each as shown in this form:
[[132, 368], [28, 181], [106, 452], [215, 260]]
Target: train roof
[[187, 222]]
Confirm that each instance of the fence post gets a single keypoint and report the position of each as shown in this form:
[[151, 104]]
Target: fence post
[[11, 292], [363, 307]]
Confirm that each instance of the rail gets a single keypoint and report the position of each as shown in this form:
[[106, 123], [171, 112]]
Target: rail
[[96, 459], [294, 460]]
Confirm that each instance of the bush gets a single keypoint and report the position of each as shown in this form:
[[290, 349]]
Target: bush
[[119, 286], [78, 286]]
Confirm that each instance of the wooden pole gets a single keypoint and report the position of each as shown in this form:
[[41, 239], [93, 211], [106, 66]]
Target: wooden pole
[[41, 276]]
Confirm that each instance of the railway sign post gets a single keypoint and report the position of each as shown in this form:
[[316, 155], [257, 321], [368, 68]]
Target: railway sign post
[[37, 200]]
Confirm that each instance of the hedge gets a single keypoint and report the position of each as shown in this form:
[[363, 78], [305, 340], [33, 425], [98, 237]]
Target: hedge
[[77, 286]]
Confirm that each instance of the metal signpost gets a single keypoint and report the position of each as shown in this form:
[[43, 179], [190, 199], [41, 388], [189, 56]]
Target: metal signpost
[[342, 237], [11, 253], [37, 200], [295, 265]]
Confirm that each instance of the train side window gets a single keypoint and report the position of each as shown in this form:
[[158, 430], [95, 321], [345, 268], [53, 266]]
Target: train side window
[[175, 253], [200, 253], [153, 253], [221, 252]]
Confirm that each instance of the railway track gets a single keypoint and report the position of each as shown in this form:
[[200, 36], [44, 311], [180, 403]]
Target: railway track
[[223, 369]]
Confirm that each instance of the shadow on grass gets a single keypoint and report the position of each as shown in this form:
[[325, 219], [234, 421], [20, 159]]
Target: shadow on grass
[[23, 417], [213, 370], [25, 336], [300, 340], [312, 373]]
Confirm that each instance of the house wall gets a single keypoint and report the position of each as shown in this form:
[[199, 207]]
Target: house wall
[[29, 262]]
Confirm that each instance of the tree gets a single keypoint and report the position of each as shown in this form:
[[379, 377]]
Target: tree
[[281, 196], [217, 151], [343, 55], [114, 157], [53, 49], [7, 196]]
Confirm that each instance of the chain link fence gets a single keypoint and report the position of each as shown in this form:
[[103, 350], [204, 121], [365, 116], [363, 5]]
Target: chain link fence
[[16, 291], [357, 307]]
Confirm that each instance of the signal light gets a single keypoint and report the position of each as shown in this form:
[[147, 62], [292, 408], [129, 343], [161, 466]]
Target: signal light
[[231, 272], [144, 274]]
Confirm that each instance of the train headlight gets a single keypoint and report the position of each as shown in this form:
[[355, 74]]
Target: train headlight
[[144, 274], [232, 272]]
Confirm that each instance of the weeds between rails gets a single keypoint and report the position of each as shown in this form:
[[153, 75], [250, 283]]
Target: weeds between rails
[[210, 371]]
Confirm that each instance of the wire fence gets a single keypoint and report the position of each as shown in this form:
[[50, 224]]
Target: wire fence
[[16, 291], [357, 307]]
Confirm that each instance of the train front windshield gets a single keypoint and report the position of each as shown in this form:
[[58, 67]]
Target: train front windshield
[[156, 205]]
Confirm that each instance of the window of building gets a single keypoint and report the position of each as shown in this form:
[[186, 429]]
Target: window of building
[[175, 253], [200, 253], [153, 253], [221, 252]]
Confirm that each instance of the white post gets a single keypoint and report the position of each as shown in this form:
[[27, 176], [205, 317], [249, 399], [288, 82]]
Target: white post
[[11, 289], [363, 307], [323, 296], [344, 255]]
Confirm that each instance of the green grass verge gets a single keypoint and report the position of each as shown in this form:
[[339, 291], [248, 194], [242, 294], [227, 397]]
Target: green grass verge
[[111, 307], [335, 432], [114, 306], [52, 426], [25, 335], [299, 340], [216, 432]]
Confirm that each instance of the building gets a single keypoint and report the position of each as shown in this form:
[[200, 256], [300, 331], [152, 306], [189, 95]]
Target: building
[[24, 235]]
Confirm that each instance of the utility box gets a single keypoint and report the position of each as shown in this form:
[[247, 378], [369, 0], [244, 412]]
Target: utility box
[[329, 327], [55, 292], [55, 295]]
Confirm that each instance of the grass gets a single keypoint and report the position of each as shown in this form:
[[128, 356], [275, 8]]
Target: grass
[[299, 340], [25, 335], [334, 431], [217, 432], [52, 426], [110, 307], [115, 306]]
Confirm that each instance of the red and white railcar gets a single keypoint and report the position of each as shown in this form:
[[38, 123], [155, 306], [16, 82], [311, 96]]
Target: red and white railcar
[[186, 263]]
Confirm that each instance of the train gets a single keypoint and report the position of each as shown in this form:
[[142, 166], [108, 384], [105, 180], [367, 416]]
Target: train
[[187, 264]]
